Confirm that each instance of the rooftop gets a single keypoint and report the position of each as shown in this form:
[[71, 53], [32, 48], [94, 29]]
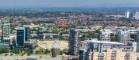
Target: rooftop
[[105, 42]]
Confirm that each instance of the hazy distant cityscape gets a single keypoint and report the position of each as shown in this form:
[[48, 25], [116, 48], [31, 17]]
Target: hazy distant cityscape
[[104, 34], [69, 30]]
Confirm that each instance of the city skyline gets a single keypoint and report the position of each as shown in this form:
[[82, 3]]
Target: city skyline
[[67, 3]]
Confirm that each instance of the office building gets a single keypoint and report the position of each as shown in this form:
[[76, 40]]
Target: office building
[[55, 49], [105, 35], [127, 14], [85, 51], [6, 30], [73, 42], [27, 33], [22, 36], [122, 36], [136, 16], [137, 40]]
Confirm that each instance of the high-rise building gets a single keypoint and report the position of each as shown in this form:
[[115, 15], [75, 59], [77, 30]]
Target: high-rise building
[[136, 16], [85, 51], [114, 54], [22, 36], [127, 14], [73, 42], [105, 35], [109, 54], [27, 33], [6, 30], [55, 49], [122, 36], [106, 51], [137, 40]]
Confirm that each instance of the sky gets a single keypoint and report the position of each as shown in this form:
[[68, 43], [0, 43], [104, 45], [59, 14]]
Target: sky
[[68, 3]]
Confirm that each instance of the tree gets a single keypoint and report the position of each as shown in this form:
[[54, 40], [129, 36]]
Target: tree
[[89, 35], [61, 37], [3, 50], [46, 51], [55, 29], [63, 51], [112, 36], [42, 51]]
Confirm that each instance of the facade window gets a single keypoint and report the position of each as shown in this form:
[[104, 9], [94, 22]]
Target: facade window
[[100, 56], [127, 56], [113, 55]]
